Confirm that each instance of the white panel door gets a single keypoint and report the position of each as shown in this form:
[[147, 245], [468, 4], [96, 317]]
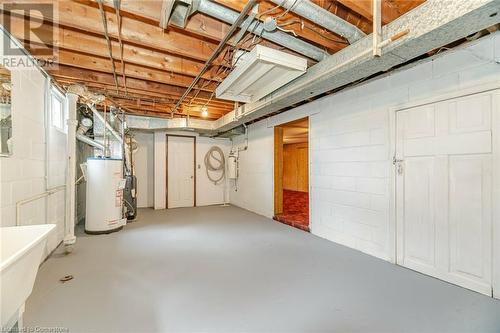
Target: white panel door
[[444, 191], [180, 173]]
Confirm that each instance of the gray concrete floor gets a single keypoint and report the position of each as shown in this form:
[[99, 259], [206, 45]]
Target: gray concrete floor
[[224, 269]]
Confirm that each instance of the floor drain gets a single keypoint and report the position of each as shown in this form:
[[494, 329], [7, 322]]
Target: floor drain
[[66, 278]]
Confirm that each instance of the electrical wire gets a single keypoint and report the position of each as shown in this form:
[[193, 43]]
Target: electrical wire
[[108, 41], [287, 10]]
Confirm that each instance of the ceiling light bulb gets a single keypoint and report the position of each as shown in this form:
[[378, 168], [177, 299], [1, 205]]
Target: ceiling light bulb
[[204, 112]]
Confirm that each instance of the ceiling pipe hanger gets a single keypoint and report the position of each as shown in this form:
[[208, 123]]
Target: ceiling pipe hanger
[[323, 18]]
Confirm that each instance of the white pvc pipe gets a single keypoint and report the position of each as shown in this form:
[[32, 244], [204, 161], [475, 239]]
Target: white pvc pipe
[[377, 27], [69, 235], [20, 203]]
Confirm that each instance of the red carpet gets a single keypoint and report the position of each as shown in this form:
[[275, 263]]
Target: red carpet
[[295, 209]]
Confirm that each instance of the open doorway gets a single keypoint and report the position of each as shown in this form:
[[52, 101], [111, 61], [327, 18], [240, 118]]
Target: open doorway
[[291, 173]]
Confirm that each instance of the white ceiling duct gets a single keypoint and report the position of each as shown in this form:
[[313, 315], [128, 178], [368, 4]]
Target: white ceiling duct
[[259, 73]]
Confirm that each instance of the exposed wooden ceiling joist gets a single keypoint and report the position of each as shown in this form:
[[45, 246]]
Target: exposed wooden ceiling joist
[[91, 44], [160, 63], [391, 9], [86, 18], [301, 27], [104, 81]]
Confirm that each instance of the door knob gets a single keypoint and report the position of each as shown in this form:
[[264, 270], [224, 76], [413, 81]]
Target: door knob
[[398, 163]]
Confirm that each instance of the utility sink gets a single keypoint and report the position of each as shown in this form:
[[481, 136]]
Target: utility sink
[[21, 250]]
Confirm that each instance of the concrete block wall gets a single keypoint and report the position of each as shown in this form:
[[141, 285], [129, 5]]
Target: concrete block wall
[[23, 174], [254, 188], [350, 146], [350, 155], [144, 169]]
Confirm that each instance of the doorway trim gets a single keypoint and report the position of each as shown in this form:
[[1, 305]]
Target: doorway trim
[[166, 166], [278, 164], [278, 170]]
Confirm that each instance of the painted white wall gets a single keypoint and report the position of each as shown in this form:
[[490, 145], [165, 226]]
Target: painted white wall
[[350, 147], [254, 188], [160, 177], [206, 192], [22, 175], [144, 168]]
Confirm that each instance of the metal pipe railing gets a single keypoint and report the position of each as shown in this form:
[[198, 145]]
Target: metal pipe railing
[[21, 203]]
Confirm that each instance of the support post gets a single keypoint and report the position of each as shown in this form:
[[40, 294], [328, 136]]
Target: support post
[[69, 235], [377, 27]]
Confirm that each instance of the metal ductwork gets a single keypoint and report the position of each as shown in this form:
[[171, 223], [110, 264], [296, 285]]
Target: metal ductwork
[[429, 26], [433, 24], [89, 141], [229, 16], [322, 17]]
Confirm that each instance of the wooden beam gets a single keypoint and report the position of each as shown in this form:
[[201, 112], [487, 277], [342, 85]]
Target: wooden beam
[[149, 113], [346, 14], [149, 11], [87, 18], [79, 41], [214, 114], [205, 26], [100, 64], [198, 25], [167, 107], [391, 10], [362, 7], [162, 109], [302, 27], [140, 95], [86, 76], [103, 82]]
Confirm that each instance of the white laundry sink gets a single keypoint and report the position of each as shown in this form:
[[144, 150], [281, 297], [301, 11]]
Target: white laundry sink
[[21, 251]]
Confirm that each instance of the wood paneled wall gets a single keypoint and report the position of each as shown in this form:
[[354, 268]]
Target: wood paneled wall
[[296, 167]]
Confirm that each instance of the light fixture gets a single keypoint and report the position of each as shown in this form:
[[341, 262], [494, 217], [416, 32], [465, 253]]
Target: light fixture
[[204, 111]]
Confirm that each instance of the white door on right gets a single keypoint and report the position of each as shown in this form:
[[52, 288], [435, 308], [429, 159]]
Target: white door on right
[[444, 191]]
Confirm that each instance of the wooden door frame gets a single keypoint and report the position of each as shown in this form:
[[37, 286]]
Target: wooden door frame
[[194, 166], [278, 170], [278, 165]]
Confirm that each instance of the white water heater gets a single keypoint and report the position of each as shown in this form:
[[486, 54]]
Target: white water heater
[[104, 206], [232, 165]]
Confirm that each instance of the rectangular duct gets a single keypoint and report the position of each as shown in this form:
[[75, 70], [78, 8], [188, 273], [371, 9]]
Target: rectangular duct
[[259, 73]]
